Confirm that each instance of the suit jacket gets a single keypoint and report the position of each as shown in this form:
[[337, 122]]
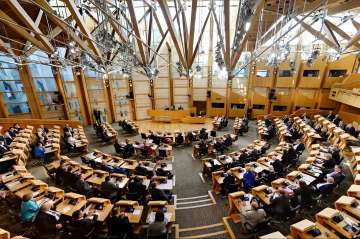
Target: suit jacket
[[117, 226], [46, 224]]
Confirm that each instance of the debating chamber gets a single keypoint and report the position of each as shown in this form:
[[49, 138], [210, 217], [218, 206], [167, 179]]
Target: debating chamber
[[179, 119]]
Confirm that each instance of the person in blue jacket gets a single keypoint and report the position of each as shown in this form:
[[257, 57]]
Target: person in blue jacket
[[249, 179], [39, 151], [29, 208]]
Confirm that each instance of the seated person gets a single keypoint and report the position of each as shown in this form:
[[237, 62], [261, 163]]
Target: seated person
[[160, 171], [219, 146], [203, 148], [158, 229], [129, 149], [3, 148], [141, 170], [12, 132], [350, 129], [69, 178], [158, 194], [68, 131], [304, 193], [39, 151], [137, 187], [109, 189], [7, 138], [83, 187], [118, 225], [277, 165], [228, 182], [326, 187], [324, 134], [251, 217], [29, 208], [118, 148], [81, 225], [47, 222], [330, 116], [60, 172], [179, 139], [71, 141], [280, 204], [329, 162], [228, 140], [337, 174], [336, 120], [299, 146], [249, 179]]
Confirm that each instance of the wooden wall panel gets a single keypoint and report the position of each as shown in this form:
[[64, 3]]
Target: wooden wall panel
[[259, 97], [312, 81], [283, 101], [141, 96], [305, 98], [290, 81], [324, 102], [345, 63]]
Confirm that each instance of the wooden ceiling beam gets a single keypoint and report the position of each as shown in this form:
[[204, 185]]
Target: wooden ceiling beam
[[235, 58], [81, 24], [192, 31], [331, 34], [66, 29], [7, 49], [28, 21], [37, 23], [339, 31], [150, 29], [6, 19], [353, 40], [355, 24], [193, 55], [317, 34], [186, 33], [227, 33], [54, 33], [166, 12], [135, 27]]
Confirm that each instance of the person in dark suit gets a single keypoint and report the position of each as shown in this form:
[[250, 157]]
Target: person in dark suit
[[160, 171], [268, 122], [228, 181], [137, 187], [69, 177], [326, 187], [350, 129], [179, 139], [336, 120], [118, 225], [47, 222], [128, 149], [330, 116], [109, 189], [305, 194], [280, 204], [97, 116], [60, 173], [228, 140], [141, 170], [118, 148], [158, 194], [3, 148], [83, 187], [299, 146], [81, 225], [329, 162], [337, 174], [277, 165]]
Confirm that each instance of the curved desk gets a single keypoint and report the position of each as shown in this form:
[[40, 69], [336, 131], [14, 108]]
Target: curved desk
[[170, 115]]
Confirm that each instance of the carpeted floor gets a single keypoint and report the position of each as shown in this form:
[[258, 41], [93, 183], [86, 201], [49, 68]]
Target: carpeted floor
[[188, 184]]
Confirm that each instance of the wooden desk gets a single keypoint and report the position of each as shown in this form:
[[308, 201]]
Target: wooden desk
[[325, 216], [72, 202], [235, 205], [130, 165], [53, 193], [101, 206], [169, 115], [301, 230], [13, 175], [120, 180], [160, 184], [354, 191], [217, 180], [37, 188], [20, 183], [154, 206], [86, 171], [134, 215], [259, 191], [274, 235], [97, 178], [350, 205], [296, 176]]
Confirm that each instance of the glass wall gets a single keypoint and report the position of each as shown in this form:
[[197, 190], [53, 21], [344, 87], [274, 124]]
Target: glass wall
[[96, 92], [69, 84], [51, 102], [12, 89]]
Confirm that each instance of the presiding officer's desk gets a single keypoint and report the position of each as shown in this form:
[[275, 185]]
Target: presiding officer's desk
[[170, 115]]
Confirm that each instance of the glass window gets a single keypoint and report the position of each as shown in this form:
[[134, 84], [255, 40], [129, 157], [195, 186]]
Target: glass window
[[11, 87]]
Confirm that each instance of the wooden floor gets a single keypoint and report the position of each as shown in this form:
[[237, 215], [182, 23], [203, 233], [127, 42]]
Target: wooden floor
[[146, 125]]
